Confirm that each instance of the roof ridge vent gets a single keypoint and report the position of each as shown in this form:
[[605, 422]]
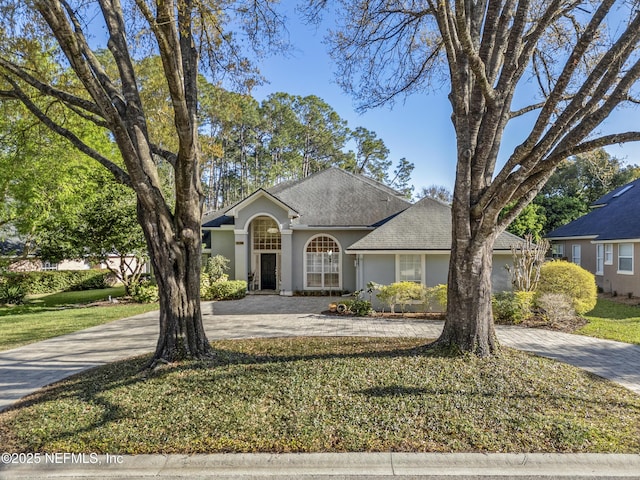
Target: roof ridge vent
[[623, 191]]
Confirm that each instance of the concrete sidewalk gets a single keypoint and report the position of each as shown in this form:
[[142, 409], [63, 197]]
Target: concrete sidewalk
[[332, 465], [26, 369]]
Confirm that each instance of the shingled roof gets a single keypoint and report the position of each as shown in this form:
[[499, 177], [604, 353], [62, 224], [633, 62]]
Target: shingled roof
[[331, 198], [335, 197], [614, 217], [424, 226]]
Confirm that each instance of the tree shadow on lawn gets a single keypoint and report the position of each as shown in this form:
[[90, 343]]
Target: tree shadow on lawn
[[93, 388]]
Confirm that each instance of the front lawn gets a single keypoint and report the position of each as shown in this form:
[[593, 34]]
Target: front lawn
[[48, 316], [76, 297], [329, 395], [614, 321]]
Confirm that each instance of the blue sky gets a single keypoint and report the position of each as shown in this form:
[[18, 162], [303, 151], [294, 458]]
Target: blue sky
[[418, 128]]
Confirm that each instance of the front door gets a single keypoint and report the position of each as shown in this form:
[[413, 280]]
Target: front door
[[268, 271]]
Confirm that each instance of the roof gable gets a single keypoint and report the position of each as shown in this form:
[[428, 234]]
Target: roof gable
[[425, 225], [260, 193], [329, 198], [335, 197]]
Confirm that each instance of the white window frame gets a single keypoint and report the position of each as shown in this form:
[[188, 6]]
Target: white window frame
[[626, 256], [327, 266], [576, 253], [608, 253], [599, 259], [557, 250], [399, 276]]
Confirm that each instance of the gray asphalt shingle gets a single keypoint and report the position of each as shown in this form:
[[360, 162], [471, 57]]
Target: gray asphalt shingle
[[332, 198], [424, 226]]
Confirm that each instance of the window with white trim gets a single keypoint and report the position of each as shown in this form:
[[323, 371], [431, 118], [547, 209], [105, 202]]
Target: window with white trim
[[608, 253], [322, 263], [48, 266], [576, 254], [557, 250], [409, 268], [599, 259], [625, 258], [266, 235]]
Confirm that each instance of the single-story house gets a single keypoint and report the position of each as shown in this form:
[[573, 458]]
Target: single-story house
[[336, 230], [12, 250], [606, 241]]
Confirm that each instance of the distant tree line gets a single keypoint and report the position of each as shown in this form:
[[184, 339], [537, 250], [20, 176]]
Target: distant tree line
[[249, 144]]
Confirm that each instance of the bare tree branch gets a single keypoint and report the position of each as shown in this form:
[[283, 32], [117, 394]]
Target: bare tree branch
[[50, 90]]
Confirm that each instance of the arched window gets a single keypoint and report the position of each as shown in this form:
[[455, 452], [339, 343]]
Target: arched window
[[323, 258]]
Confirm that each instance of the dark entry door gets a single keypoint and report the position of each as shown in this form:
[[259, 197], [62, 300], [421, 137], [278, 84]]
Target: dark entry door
[[268, 271]]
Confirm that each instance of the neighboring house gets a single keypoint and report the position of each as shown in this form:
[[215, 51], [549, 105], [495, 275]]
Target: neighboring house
[[336, 230], [12, 250], [606, 241]]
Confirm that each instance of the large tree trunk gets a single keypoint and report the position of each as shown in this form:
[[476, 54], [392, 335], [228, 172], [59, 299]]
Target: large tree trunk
[[176, 256], [469, 322]]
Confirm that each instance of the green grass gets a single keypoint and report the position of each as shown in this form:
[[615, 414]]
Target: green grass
[[48, 316], [329, 395], [613, 321], [74, 298]]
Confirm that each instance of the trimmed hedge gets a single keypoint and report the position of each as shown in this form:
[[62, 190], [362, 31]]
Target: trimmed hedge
[[225, 290], [59, 280]]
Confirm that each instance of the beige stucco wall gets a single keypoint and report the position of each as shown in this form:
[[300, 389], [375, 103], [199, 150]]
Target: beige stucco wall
[[621, 283]]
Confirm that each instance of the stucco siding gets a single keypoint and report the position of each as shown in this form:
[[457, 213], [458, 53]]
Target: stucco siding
[[222, 243], [619, 283], [437, 269], [380, 269], [500, 277], [347, 267], [261, 207]]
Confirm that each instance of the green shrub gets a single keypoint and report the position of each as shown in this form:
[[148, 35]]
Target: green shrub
[[213, 272], [578, 284], [59, 281], [401, 293], [144, 291], [512, 308], [225, 290], [11, 294], [435, 298], [359, 307], [215, 267]]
